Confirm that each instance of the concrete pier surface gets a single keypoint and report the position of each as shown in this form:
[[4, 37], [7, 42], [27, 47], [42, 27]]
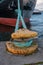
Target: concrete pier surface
[[7, 58]]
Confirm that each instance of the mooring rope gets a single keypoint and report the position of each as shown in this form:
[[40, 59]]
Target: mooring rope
[[19, 18]]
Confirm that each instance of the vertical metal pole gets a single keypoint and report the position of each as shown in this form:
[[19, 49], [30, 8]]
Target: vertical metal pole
[[21, 7]]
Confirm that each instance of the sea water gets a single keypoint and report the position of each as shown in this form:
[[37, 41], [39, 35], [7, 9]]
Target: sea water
[[37, 22], [37, 25]]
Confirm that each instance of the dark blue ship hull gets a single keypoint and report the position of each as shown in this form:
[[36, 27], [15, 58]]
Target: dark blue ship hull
[[8, 15]]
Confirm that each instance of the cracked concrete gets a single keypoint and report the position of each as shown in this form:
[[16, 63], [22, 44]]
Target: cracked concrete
[[10, 59]]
